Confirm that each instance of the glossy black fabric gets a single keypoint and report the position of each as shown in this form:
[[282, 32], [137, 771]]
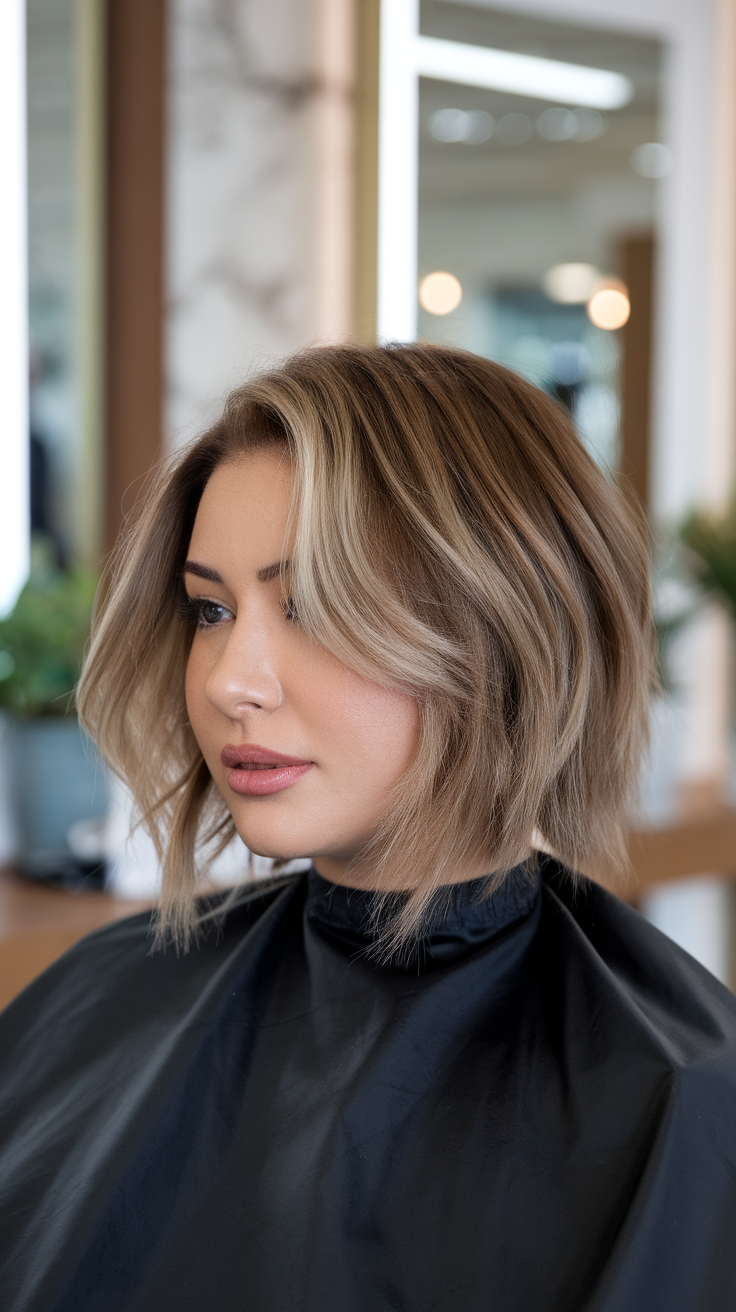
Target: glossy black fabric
[[537, 1113]]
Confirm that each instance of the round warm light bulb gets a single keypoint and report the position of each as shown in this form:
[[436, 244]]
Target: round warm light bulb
[[609, 306], [440, 293]]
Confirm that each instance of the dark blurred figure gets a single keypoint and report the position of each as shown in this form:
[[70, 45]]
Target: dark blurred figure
[[39, 473], [40, 484]]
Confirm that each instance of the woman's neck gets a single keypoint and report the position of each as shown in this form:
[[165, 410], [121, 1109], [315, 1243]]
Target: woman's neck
[[354, 874]]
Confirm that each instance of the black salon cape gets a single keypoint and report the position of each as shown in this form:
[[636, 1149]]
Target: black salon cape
[[535, 1114]]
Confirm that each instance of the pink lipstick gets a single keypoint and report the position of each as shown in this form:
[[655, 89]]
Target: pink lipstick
[[257, 771]]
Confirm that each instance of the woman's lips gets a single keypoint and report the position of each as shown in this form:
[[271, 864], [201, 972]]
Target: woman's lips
[[257, 771]]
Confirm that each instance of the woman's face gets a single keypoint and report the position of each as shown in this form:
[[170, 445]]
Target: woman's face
[[305, 751]]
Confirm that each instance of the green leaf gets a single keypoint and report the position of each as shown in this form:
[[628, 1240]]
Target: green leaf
[[42, 641], [713, 544]]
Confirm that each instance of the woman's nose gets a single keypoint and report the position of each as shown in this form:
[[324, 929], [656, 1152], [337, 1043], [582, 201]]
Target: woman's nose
[[245, 678]]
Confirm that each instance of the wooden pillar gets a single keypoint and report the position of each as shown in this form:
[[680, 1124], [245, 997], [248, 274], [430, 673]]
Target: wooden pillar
[[638, 274], [134, 250]]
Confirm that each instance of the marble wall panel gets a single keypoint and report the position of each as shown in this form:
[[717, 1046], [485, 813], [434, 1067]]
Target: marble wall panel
[[259, 186]]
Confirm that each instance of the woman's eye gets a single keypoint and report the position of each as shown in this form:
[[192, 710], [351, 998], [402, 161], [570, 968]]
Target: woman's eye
[[208, 614], [290, 610]]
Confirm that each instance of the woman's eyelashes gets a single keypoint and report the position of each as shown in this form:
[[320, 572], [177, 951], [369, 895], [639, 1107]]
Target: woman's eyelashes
[[204, 613]]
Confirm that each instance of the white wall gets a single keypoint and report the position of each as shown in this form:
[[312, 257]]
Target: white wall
[[13, 306]]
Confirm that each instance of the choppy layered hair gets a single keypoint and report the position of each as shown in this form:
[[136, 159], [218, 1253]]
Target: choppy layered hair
[[453, 540]]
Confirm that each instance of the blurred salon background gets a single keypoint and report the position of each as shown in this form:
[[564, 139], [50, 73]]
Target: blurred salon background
[[193, 189]]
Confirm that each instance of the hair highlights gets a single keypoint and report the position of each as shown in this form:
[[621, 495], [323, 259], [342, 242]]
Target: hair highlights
[[453, 540]]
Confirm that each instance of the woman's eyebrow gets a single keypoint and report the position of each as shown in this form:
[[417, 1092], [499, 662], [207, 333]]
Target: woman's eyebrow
[[263, 575], [272, 571], [202, 571]]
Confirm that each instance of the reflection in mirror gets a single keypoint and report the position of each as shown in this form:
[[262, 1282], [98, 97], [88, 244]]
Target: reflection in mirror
[[539, 209]]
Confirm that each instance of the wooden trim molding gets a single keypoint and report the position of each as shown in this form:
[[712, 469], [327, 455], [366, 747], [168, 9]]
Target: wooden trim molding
[[703, 845], [689, 847], [134, 259]]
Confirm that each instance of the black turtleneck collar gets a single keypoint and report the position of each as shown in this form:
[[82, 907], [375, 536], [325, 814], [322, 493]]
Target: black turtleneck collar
[[464, 920]]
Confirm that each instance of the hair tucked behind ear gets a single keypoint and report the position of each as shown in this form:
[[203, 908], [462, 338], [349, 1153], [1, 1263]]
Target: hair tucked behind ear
[[453, 540]]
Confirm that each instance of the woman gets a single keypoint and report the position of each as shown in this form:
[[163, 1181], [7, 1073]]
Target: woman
[[386, 614]]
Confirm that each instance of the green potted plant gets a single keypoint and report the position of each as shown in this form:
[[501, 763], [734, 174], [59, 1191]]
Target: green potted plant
[[54, 776], [712, 544]]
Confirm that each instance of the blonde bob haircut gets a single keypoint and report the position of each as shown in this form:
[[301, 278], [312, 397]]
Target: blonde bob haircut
[[451, 539]]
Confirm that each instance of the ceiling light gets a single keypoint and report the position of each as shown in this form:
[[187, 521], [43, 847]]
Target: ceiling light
[[514, 129], [448, 125], [609, 306], [440, 293], [590, 125], [523, 75], [472, 126], [557, 124], [571, 284], [480, 127]]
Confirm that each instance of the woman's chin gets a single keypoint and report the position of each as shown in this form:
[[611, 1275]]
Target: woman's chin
[[269, 845]]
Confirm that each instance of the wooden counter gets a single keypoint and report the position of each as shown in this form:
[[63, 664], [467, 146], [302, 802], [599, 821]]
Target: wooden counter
[[38, 923]]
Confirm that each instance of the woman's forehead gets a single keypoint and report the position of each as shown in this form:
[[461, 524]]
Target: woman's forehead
[[243, 511]]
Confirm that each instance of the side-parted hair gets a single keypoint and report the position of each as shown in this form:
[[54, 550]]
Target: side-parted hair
[[451, 539]]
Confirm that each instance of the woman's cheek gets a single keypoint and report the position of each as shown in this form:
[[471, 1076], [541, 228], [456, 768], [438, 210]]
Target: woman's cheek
[[377, 725], [194, 691]]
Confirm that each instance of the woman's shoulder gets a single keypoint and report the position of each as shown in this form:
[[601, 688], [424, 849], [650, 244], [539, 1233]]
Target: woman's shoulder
[[116, 979], [651, 1036], [636, 976]]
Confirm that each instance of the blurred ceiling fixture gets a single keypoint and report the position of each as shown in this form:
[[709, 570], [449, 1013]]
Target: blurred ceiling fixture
[[522, 75], [514, 129], [472, 126], [571, 284], [652, 160], [590, 125], [559, 124], [609, 306], [440, 293]]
